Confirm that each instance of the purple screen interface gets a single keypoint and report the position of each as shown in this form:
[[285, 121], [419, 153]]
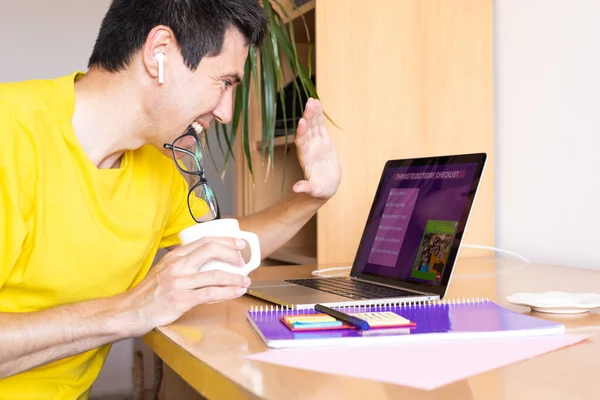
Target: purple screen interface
[[415, 221]]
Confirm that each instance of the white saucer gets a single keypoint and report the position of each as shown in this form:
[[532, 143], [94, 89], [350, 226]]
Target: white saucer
[[557, 302]]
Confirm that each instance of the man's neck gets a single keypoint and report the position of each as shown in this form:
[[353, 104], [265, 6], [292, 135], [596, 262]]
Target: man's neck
[[107, 120]]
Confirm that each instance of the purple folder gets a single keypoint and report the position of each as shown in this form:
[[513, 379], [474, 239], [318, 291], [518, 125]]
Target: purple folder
[[438, 321]]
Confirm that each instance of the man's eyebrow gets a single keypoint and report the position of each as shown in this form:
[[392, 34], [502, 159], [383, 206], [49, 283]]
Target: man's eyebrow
[[234, 76]]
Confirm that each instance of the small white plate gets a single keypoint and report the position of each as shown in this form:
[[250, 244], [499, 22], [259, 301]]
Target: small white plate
[[557, 302]]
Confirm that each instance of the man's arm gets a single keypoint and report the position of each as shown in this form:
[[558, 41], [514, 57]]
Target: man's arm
[[32, 339], [322, 171], [171, 288], [277, 224]]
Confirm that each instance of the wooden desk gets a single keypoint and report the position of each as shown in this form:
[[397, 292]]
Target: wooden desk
[[206, 346]]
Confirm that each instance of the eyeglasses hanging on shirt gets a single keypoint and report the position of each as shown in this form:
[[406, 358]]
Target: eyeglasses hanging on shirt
[[188, 155]]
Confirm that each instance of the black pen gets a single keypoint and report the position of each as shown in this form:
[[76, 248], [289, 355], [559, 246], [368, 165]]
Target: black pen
[[355, 321]]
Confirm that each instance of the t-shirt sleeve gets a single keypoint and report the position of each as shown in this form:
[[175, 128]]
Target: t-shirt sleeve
[[13, 228], [180, 217]]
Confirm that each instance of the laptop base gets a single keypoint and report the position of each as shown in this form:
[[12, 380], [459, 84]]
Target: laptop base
[[290, 295]]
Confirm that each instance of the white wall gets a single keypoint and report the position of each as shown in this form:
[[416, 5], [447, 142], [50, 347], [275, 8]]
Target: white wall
[[548, 129], [47, 38]]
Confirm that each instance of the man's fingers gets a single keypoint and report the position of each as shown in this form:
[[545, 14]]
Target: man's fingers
[[321, 120], [315, 118], [302, 187], [312, 122], [301, 132], [309, 117], [212, 251], [314, 107], [213, 278], [213, 294]]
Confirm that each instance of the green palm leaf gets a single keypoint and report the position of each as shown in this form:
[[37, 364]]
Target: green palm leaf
[[218, 134], [245, 117]]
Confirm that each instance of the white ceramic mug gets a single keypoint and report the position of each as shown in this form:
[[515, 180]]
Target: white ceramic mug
[[226, 227]]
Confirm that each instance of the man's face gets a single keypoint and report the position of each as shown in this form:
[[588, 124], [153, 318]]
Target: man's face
[[201, 96]]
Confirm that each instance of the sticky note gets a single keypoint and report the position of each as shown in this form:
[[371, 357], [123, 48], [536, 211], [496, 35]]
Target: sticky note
[[309, 318], [311, 321], [383, 319], [317, 324]]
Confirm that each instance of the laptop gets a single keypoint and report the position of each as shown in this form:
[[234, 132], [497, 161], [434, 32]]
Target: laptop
[[410, 242]]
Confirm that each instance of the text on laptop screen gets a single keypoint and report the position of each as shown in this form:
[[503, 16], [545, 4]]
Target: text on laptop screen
[[414, 222]]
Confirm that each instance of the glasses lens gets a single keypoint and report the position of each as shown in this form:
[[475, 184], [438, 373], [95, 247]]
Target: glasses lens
[[188, 153], [205, 192]]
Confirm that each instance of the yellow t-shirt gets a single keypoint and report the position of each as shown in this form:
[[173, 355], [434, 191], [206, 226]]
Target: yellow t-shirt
[[70, 231]]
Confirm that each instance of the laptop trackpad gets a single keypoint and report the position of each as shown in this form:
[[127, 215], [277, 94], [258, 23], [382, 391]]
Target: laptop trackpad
[[295, 294]]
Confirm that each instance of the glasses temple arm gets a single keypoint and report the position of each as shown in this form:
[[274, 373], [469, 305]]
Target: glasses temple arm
[[189, 153]]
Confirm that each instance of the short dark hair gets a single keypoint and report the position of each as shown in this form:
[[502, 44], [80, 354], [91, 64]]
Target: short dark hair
[[199, 27]]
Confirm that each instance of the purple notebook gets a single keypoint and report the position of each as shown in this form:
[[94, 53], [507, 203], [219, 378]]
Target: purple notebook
[[439, 321]]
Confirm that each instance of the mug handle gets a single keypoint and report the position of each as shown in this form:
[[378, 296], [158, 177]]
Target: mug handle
[[255, 258]]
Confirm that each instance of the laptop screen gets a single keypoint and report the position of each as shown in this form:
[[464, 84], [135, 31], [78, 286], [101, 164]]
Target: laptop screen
[[417, 221]]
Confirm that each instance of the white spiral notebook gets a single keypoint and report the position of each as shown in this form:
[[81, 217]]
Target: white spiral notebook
[[471, 318]]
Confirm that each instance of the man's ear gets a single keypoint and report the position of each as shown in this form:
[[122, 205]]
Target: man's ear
[[160, 42]]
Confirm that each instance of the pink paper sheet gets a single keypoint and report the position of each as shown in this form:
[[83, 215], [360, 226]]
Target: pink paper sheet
[[410, 364]]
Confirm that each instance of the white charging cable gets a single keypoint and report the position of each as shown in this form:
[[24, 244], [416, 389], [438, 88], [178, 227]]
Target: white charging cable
[[320, 272], [478, 246]]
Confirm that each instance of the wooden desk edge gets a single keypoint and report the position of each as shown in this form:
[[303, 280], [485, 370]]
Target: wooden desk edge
[[214, 384], [204, 379]]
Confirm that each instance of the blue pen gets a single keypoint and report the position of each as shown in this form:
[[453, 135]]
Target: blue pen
[[354, 321]]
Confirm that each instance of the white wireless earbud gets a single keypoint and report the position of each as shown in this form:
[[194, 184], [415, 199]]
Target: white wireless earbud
[[160, 58]]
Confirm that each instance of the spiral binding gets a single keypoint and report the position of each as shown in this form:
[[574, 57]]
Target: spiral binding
[[380, 306]]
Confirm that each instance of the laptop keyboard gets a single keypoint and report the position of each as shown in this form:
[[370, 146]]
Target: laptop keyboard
[[351, 288]]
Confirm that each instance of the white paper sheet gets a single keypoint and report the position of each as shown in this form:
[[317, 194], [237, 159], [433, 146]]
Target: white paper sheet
[[454, 360]]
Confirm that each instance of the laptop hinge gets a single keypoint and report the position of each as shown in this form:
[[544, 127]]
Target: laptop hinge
[[393, 287]]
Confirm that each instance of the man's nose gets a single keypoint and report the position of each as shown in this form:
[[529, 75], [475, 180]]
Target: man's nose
[[224, 111]]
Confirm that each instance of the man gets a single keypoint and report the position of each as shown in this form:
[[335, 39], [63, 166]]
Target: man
[[90, 191]]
